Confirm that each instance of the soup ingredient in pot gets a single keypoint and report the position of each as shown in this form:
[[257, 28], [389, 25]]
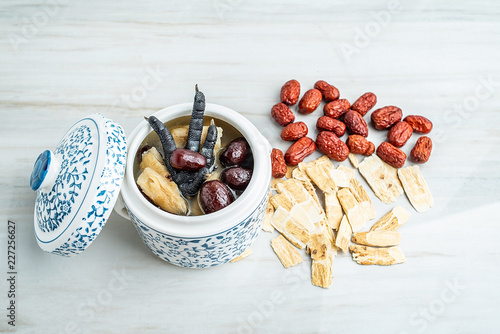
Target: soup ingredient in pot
[[196, 123], [180, 134], [185, 159], [166, 139], [235, 153], [214, 196], [162, 191], [189, 182], [237, 178], [152, 158]]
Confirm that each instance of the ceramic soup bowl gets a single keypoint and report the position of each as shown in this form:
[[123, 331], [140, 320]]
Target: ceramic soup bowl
[[206, 240]]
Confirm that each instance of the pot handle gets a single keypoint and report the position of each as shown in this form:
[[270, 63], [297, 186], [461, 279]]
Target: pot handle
[[120, 208]]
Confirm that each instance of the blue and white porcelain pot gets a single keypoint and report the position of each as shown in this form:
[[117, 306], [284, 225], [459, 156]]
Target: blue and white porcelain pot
[[188, 241]]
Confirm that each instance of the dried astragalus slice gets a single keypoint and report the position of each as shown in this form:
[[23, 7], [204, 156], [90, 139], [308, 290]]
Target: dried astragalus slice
[[293, 189], [416, 188], [306, 182], [153, 159], [354, 160], [162, 192], [362, 197], [342, 176], [322, 272], [344, 234], [283, 201], [315, 213], [302, 217], [381, 179], [321, 248], [266, 222], [243, 255], [289, 171], [320, 172], [392, 220], [321, 243], [288, 255], [296, 191], [386, 256], [333, 210], [355, 213], [377, 238], [180, 134], [274, 182], [297, 234]]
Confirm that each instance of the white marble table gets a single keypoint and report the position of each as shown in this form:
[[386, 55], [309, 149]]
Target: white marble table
[[63, 60]]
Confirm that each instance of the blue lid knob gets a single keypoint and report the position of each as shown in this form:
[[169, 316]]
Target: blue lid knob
[[40, 170]]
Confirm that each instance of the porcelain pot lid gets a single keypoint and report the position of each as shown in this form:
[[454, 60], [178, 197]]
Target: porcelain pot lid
[[78, 184]]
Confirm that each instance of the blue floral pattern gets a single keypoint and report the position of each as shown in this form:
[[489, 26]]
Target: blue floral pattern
[[92, 221], [107, 192], [53, 206], [207, 251]]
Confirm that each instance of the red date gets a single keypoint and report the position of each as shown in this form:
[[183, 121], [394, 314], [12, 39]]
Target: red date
[[185, 159], [237, 178], [235, 153], [214, 196]]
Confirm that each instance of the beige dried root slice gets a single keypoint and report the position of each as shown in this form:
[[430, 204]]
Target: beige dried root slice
[[243, 255], [381, 179], [290, 228], [362, 197], [342, 176], [353, 159], [179, 133], [162, 192], [266, 222], [306, 182], [356, 214], [283, 201], [304, 165], [289, 171], [320, 172], [274, 182], [321, 243], [416, 188], [393, 172], [321, 248], [392, 220], [321, 272], [343, 235], [288, 255], [301, 215], [386, 256], [377, 238], [333, 210], [294, 190], [153, 159]]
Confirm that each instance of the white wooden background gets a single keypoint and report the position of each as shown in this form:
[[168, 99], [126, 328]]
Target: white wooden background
[[61, 60]]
